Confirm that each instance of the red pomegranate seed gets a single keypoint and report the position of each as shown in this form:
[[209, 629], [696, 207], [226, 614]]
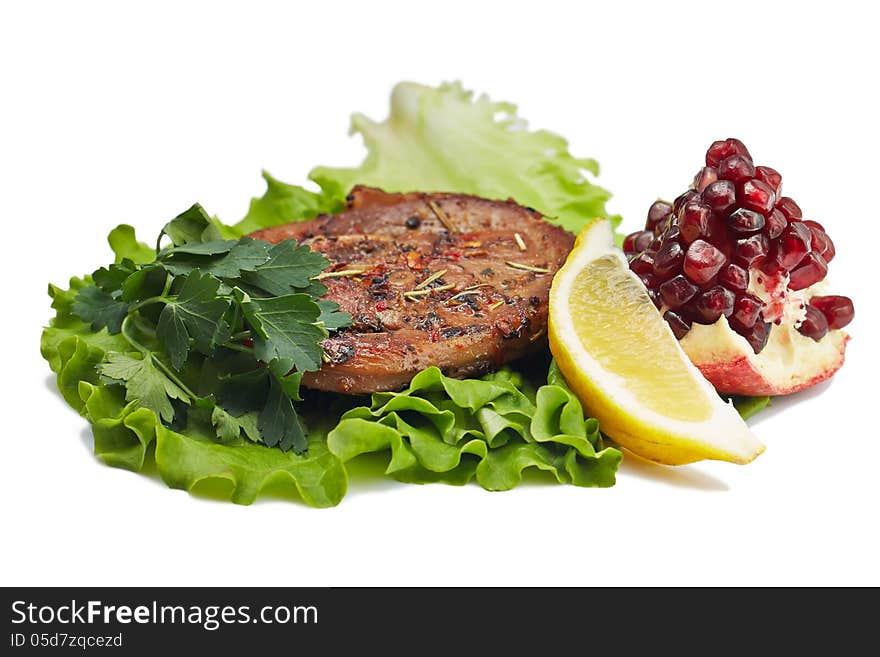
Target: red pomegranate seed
[[672, 234], [654, 295], [751, 248], [705, 177], [830, 252], [722, 149], [702, 262], [682, 200], [811, 269], [677, 291], [736, 168], [789, 208], [814, 325], [745, 221], [649, 280], [712, 304], [679, 325], [694, 221], [638, 241], [756, 195], [838, 310], [734, 277], [819, 240], [793, 245], [643, 263], [720, 196], [668, 260], [657, 213], [758, 336], [746, 310], [775, 224], [770, 176]]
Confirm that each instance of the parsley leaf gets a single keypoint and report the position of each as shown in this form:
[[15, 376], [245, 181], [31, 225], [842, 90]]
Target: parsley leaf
[[285, 329], [144, 382], [206, 350], [196, 313], [213, 247], [100, 309], [110, 279], [223, 263], [290, 268], [229, 427], [331, 317], [192, 225], [279, 423]]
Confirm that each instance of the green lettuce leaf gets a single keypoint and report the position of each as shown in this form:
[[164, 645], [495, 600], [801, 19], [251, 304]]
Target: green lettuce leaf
[[449, 430], [445, 139]]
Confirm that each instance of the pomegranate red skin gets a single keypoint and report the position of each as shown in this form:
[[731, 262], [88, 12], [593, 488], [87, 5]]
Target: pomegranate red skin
[[739, 377]]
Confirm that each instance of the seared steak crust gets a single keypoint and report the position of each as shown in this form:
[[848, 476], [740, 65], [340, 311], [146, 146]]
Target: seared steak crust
[[450, 280]]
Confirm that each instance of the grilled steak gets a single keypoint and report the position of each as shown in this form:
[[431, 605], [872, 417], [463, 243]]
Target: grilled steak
[[450, 280]]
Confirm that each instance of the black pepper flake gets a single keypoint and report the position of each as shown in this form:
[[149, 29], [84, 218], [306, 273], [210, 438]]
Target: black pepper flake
[[413, 222], [451, 332]]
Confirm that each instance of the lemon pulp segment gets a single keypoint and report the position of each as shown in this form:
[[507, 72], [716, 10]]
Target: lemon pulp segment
[[619, 327]]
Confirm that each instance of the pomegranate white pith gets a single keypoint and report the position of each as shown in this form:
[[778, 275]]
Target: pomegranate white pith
[[739, 275]]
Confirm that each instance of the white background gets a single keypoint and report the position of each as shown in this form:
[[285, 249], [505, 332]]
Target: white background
[[112, 113]]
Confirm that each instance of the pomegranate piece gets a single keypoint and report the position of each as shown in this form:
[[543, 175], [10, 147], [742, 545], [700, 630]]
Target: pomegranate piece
[[668, 260], [756, 195], [677, 291], [694, 221], [838, 310], [814, 325], [775, 224], [730, 229], [736, 168], [745, 221], [720, 150], [734, 277], [770, 176], [789, 208], [638, 241], [679, 325], [811, 269], [657, 213], [746, 310], [702, 262], [720, 196], [705, 177], [793, 245], [710, 305], [751, 248]]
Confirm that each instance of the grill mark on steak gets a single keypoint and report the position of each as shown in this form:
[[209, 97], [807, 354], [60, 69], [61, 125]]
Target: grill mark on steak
[[475, 312]]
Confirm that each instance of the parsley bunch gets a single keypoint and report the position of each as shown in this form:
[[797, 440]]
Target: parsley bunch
[[221, 330]]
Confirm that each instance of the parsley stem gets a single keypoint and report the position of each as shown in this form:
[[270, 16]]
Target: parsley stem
[[149, 354], [238, 347], [146, 302], [241, 335]]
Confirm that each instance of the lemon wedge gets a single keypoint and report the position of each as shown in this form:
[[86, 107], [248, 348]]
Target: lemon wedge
[[622, 361]]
